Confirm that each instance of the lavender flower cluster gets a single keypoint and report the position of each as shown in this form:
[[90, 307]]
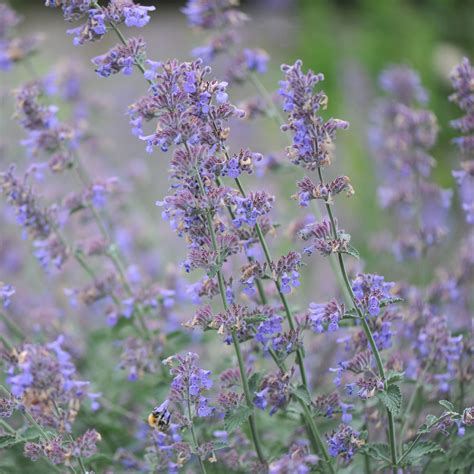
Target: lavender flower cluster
[[226, 358]]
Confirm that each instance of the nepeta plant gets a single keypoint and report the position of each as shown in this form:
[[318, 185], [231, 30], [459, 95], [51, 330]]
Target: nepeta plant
[[233, 368]]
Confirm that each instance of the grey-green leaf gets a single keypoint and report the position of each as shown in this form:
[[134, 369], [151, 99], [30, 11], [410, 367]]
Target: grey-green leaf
[[236, 417], [301, 393], [391, 398]]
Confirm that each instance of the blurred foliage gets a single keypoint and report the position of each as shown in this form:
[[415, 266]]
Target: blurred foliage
[[430, 36]]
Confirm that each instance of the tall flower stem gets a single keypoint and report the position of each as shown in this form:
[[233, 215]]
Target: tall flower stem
[[280, 120], [193, 434], [367, 332], [235, 340]]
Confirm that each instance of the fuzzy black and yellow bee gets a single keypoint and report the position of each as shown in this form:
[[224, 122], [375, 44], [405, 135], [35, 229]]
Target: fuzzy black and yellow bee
[[160, 417]]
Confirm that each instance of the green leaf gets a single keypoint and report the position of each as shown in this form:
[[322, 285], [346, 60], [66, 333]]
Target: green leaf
[[254, 381], [213, 269], [377, 451], [423, 448], [389, 301], [216, 445], [7, 440], [394, 377], [461, 458], [301, 393], [256, 318], [447, 404], [236, 417], [10, 440], [352, 251], [391, 398]]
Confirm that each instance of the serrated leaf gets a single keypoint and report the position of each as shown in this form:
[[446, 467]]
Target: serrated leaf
[[10, 440], [461, 459], [377, 451], [391, 398], [235, 418], [352, 251], [7, 440], [254, 381], [301, 393], [447, 404], [394, 377], [423, 448], [254, 319], [389, 301], [216, 445]]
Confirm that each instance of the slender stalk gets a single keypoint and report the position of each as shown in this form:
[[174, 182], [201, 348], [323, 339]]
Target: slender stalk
[[418, 436], [319, 440], [193, 434], [407, 418], [235, 340], [7, 427], [58, 411], [367, 332], [280, 120], [12, 326], [6, 342], [113, 252]]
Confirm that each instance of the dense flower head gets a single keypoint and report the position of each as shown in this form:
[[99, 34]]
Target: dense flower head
[[41, 374], [465, 181], [462, 79], [274, 392], [120, 58], [344, 442], [38, 222], [189, 109], [322, 238], [251, 208], [190, 383], [436, 343], [308, 190], [98, 18], [59, 450], [326, 315], [403, 84], [312, 135], [371, 291], [45, 132]]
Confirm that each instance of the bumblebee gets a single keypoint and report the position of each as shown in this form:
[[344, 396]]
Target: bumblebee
[[160, 417]]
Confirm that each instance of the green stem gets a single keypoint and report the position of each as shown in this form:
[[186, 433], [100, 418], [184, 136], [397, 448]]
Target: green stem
[[235, 340], [418, 436], [7, 427], [193, 434], [12, 326], [367, 332], [317, 435], [269, 260], [6, 342], [406, 417], [58, 411]]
